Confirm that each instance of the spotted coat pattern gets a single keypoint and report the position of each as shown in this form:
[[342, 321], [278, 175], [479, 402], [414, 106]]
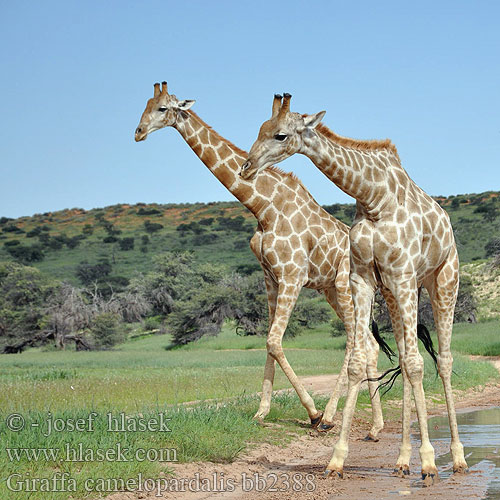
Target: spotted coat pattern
[[297, 243], [401, 239]]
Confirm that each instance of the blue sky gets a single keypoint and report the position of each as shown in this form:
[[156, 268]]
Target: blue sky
[[76, 76]]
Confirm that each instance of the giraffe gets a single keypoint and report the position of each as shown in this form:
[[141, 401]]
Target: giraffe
[[297, 243], [400, 240]]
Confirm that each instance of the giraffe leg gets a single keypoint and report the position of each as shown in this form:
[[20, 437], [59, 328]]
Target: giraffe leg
[[287, 296], [406, 296], [267, 384], [372, 350], [341, 301], [402, 467], [443, 292], [362, 294]]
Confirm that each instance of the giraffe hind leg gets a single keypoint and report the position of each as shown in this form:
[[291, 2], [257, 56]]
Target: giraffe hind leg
[[443, 290]]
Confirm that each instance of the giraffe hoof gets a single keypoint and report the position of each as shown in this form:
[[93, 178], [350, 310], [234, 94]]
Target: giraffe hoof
[[430, 478], [369, 437], [324, 427], [460, 469], [335, 474], [316, 420], [402, 471], [259, 418]]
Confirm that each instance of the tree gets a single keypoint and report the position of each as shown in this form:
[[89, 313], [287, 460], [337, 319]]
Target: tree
[[492, 247], [26, 254], [152, 227], [127, 243], [106, 331], [89, 273], [23, 294]]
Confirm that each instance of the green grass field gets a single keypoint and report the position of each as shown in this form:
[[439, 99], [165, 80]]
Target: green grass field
[[142, 379]]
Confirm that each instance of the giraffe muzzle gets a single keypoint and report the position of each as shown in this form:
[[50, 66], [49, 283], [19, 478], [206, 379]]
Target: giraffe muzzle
[[140, 134], [246, 171]]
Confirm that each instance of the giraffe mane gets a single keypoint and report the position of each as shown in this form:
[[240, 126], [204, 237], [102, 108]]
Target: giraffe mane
[[369, 145], [218, 136], [274, 168]]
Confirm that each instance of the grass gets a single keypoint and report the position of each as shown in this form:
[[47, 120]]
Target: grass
[[143, 379]]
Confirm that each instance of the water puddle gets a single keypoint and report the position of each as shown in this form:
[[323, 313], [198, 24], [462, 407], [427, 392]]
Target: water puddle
[[480, 434]]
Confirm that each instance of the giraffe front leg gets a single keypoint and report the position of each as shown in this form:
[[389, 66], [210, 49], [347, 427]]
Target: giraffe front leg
[[287, 296], [341, 301], [269, 370], [371, 373], [362, 294], [406, 296], [402, 468], [267, 390]]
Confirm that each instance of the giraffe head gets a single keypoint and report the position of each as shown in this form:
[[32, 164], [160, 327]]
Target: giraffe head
[[161, 111], [279, 137]]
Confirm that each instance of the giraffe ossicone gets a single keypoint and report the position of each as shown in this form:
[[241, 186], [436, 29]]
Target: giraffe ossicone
[[401, 239], [297, 243]]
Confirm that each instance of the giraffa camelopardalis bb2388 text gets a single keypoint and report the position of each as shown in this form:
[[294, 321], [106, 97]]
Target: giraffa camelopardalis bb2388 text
[[401, 239], [297, 243]]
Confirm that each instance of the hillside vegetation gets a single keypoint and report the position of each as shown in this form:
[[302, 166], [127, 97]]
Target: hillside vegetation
[[122, 238]]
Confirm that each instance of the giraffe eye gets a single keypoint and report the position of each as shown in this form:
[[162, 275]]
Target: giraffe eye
[[280, 137], [162, 109]]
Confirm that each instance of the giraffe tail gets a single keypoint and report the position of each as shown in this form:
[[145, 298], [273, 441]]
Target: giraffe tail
[[424, 337], [382, 343]]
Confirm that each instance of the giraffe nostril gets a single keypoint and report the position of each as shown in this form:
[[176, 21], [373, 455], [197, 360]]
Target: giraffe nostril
[[138, 130]]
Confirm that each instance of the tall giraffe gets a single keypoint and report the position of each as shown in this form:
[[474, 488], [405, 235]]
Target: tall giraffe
[[297, 243], [401, 239]]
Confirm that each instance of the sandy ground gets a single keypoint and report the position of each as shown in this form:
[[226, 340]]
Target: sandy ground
[[296, 471]]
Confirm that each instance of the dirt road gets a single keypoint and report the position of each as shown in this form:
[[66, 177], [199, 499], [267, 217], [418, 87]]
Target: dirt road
[[296, 471]]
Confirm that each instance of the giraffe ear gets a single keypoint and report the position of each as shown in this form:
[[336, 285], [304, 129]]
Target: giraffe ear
[[185, 104], [310, 121]]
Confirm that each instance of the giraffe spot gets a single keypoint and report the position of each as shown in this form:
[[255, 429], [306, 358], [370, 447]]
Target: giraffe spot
[[226, 176], [299, 223], [295, 241], [400, 215], [284, 250], [283, 227], [264, 186], [209, 157], [224, 151], [271, 257], [203, 136]]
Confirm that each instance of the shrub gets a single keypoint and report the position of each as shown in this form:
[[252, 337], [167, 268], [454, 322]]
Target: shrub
[[87, 230], [152, 227], [337, 327], [106, 331], [127, 243]]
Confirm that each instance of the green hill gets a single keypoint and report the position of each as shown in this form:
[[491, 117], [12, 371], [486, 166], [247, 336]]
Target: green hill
[[126, 236]]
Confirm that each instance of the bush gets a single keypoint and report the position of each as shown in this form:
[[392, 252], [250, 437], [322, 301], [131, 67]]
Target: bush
[[89, 273], [87, 230], [127, 243], [152, 227], [106, 331], [337, 327], [34, 232], [26, 254], [492, 247], [148, 211]]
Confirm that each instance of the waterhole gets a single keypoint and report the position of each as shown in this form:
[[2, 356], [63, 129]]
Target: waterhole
[[480, 434]]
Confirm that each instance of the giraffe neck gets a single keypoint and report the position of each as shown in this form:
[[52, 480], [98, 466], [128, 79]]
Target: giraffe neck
[[222, 158], [363, 174]]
